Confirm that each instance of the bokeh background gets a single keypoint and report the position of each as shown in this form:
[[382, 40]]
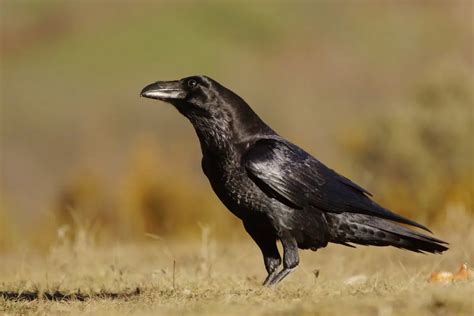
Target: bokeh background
[[380, 91]]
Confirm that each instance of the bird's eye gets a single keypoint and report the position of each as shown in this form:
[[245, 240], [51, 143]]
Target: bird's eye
[[192, 83]]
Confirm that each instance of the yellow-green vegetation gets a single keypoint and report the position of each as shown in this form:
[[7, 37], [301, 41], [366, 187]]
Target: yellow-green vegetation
[[214, 278], [380, 92], [423, 157]]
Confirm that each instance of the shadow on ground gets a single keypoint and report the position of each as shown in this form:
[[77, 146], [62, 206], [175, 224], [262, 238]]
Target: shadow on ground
[[59, 296]]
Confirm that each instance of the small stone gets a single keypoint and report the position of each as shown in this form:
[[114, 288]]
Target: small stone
[[356, 280]]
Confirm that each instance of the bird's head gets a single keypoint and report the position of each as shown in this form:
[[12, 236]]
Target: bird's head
[[196, 93], [214, 110]]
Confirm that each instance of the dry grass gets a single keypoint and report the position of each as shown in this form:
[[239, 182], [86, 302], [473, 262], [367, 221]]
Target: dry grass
[[210, 277]]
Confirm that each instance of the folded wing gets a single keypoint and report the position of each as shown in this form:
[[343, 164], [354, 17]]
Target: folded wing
[[289, 174]]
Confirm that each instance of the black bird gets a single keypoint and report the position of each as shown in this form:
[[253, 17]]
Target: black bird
[[278, 190]]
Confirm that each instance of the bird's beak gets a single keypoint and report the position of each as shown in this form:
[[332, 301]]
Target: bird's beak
[[164, 90]]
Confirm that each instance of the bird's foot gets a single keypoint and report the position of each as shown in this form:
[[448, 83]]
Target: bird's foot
[[276, 277], [269, 278]]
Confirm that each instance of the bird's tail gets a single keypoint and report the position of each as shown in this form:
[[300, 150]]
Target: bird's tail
[[349, 228]]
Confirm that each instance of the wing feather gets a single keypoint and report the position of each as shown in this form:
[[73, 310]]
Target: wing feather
[[286, 172]]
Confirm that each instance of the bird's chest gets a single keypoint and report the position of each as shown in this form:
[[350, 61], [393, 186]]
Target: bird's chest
[[231, 184]]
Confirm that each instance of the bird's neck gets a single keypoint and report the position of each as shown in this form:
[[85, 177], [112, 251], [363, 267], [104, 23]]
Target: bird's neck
[[216, 139], [223, 138]]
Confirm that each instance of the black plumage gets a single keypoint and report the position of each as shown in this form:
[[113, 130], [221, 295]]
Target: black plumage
[[279, 191]]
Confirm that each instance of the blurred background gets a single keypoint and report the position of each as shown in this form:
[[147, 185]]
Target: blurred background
[[380, 91]]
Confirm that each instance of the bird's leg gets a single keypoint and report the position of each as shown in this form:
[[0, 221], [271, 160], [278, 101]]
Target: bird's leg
[[266, 241], [290, 260]]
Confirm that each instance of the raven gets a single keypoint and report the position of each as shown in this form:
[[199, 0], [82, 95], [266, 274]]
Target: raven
[[278, 190]]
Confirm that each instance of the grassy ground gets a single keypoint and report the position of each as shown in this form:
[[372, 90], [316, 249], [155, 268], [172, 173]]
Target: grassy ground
[[213, 277]]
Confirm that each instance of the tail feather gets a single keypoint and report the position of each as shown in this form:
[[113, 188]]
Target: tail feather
[[368, 230]]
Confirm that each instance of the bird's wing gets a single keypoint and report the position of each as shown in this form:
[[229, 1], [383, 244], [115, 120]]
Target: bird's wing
[[289, 174]]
